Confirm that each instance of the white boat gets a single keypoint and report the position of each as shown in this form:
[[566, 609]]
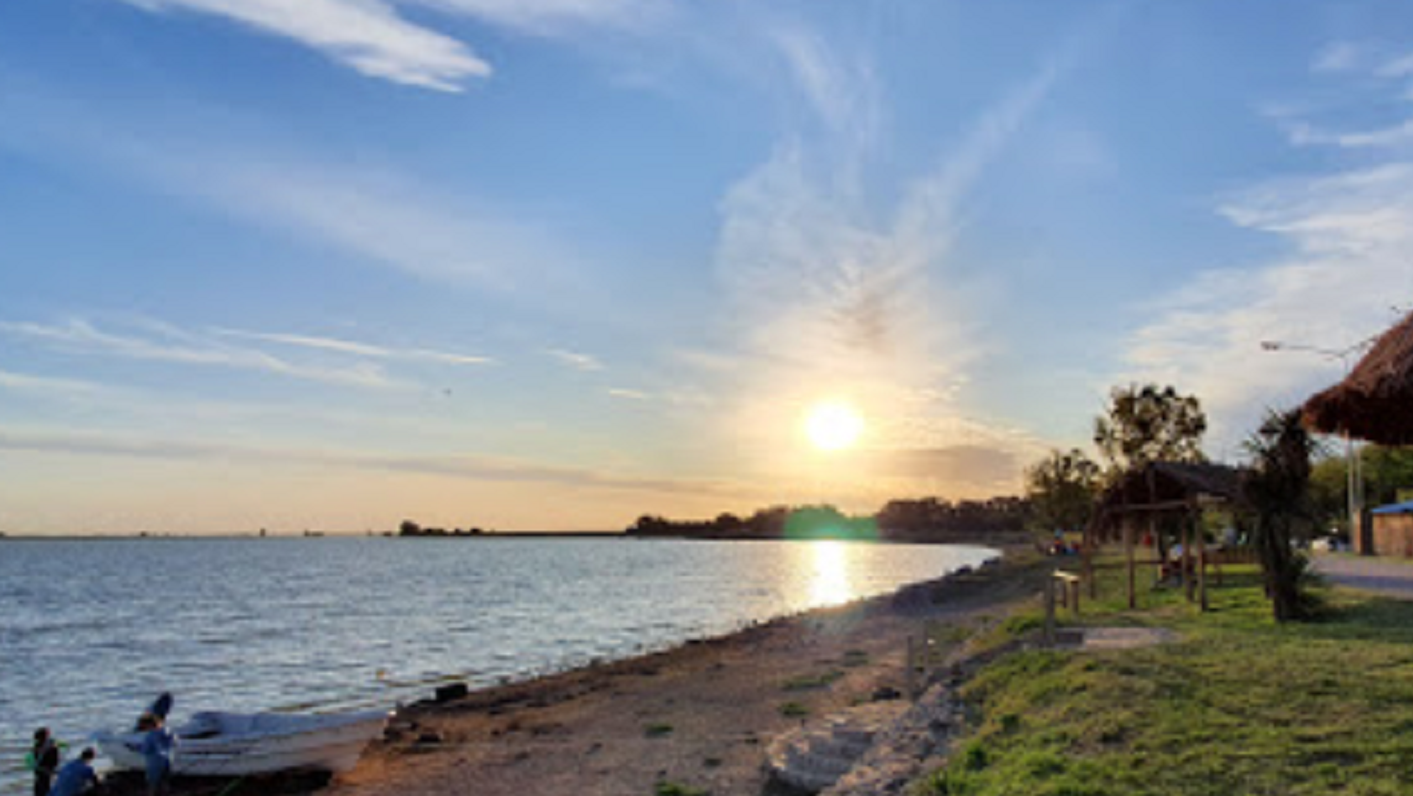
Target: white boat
[[215, 744]]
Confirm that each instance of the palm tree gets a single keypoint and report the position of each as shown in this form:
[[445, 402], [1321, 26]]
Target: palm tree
[[1277, 489]]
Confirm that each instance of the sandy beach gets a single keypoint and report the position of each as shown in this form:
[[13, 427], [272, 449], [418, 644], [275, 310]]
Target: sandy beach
[[700, 715]]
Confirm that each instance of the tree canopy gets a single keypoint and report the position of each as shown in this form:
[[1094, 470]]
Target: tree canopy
[[1061, 489], [1149, 424], [1387, 471]]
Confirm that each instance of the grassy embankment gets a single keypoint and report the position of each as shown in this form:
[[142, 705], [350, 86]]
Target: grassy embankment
[[1238, 705]]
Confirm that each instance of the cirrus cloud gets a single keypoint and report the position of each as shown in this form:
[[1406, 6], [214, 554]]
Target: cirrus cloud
[[1346, 271], [375, 39]]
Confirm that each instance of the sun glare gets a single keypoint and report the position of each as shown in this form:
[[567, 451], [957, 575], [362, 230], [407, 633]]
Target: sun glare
[[833, 425]]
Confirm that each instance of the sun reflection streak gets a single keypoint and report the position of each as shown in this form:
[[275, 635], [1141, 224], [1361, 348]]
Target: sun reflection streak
[[829, 584]]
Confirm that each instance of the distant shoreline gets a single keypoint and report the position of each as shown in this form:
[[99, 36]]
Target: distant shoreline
[[992, 539], [255, 536]]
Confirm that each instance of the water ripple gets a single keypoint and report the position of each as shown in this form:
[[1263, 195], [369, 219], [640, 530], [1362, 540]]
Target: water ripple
[[342, 623]]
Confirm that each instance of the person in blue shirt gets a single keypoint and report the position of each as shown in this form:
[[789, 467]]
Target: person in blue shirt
[[157, 753], [77, 776]]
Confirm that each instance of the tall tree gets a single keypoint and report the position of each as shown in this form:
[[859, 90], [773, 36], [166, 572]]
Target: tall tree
[[1329, 487], [1148, 424], [1061, 489], [1277, 488], [1387, 472]]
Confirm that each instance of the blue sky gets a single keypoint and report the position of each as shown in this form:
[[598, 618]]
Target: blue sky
[[551, 264]]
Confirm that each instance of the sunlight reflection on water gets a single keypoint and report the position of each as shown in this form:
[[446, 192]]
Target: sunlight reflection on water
[[830, 584]]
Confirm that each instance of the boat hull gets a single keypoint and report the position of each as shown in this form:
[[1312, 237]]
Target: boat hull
[[258, 744]]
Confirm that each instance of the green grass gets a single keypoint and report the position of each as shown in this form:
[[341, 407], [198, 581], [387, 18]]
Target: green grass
[[810, 682], [1238, 705], [676, 789], [657, 730], [854, 658], [794, 710]]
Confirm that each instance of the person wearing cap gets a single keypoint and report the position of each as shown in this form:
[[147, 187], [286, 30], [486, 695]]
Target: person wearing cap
[[77, 776]]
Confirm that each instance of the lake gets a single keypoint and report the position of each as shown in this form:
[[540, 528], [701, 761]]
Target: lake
[[92, 630]]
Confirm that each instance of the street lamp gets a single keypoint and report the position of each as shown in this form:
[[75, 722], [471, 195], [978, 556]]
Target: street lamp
[[1355, 476]]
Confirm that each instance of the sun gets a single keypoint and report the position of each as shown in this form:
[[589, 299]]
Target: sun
[[833, 425]]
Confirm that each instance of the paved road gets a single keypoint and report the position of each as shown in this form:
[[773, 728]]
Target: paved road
[[1393, 578]]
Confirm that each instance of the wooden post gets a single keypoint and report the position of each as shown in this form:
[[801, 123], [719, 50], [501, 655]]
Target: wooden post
[[1153, 517], [929, 644], [1128, 553], [1201, 560], [1074, 598], [1089, 574], [1050, 611], [910, 676], [1186, 562]]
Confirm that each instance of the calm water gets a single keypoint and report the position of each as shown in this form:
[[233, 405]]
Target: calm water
[[90, 631]]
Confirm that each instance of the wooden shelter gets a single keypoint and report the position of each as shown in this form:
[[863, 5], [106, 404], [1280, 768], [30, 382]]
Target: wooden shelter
[[1176, 489], [1375, 401]]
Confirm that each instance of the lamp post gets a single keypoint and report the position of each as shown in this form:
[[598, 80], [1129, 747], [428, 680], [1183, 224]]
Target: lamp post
[[1354, 479]]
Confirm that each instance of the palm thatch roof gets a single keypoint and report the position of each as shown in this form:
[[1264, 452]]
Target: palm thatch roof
[[1375, 401]]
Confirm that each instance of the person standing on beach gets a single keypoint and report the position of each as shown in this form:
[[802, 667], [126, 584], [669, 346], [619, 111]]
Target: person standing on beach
[[44, 761], [77, 776], [157, 754]]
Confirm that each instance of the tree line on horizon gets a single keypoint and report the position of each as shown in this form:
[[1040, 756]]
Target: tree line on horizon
[[411, 528], [915, 520]]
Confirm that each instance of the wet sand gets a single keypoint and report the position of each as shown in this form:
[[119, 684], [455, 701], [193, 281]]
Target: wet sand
[[700, 715]]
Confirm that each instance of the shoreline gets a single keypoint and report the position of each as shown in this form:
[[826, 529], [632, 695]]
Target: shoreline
[[700, 714]]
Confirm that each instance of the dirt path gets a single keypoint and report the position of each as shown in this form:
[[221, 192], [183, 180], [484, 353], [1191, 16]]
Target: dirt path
[[701, 715], [1389, 578]]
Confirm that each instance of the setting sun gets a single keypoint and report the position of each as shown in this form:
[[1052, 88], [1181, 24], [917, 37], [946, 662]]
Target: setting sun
[[833, 425]]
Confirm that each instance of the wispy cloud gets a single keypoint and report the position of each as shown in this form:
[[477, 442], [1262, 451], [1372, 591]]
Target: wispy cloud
[[1368, 67], [555, 17], [375, 39], [826, 299], [575, 359], [629, 395], [164, 343], [367, 35], [1340, 56], [356, 348], [381, 216], [461, 467], [976, 469], [364, 211], [47, 386], [841, 90], [1349, 234], [1395, 135]]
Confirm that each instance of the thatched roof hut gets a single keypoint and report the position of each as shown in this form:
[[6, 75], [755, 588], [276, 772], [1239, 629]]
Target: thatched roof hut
[[1168, 486], [1375, 401], [1174, 489]]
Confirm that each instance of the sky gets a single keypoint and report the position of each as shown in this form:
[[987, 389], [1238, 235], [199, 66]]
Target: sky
[[554, 264]]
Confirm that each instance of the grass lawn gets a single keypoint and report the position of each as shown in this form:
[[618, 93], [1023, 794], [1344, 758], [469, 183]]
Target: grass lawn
[[1238, 705]]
